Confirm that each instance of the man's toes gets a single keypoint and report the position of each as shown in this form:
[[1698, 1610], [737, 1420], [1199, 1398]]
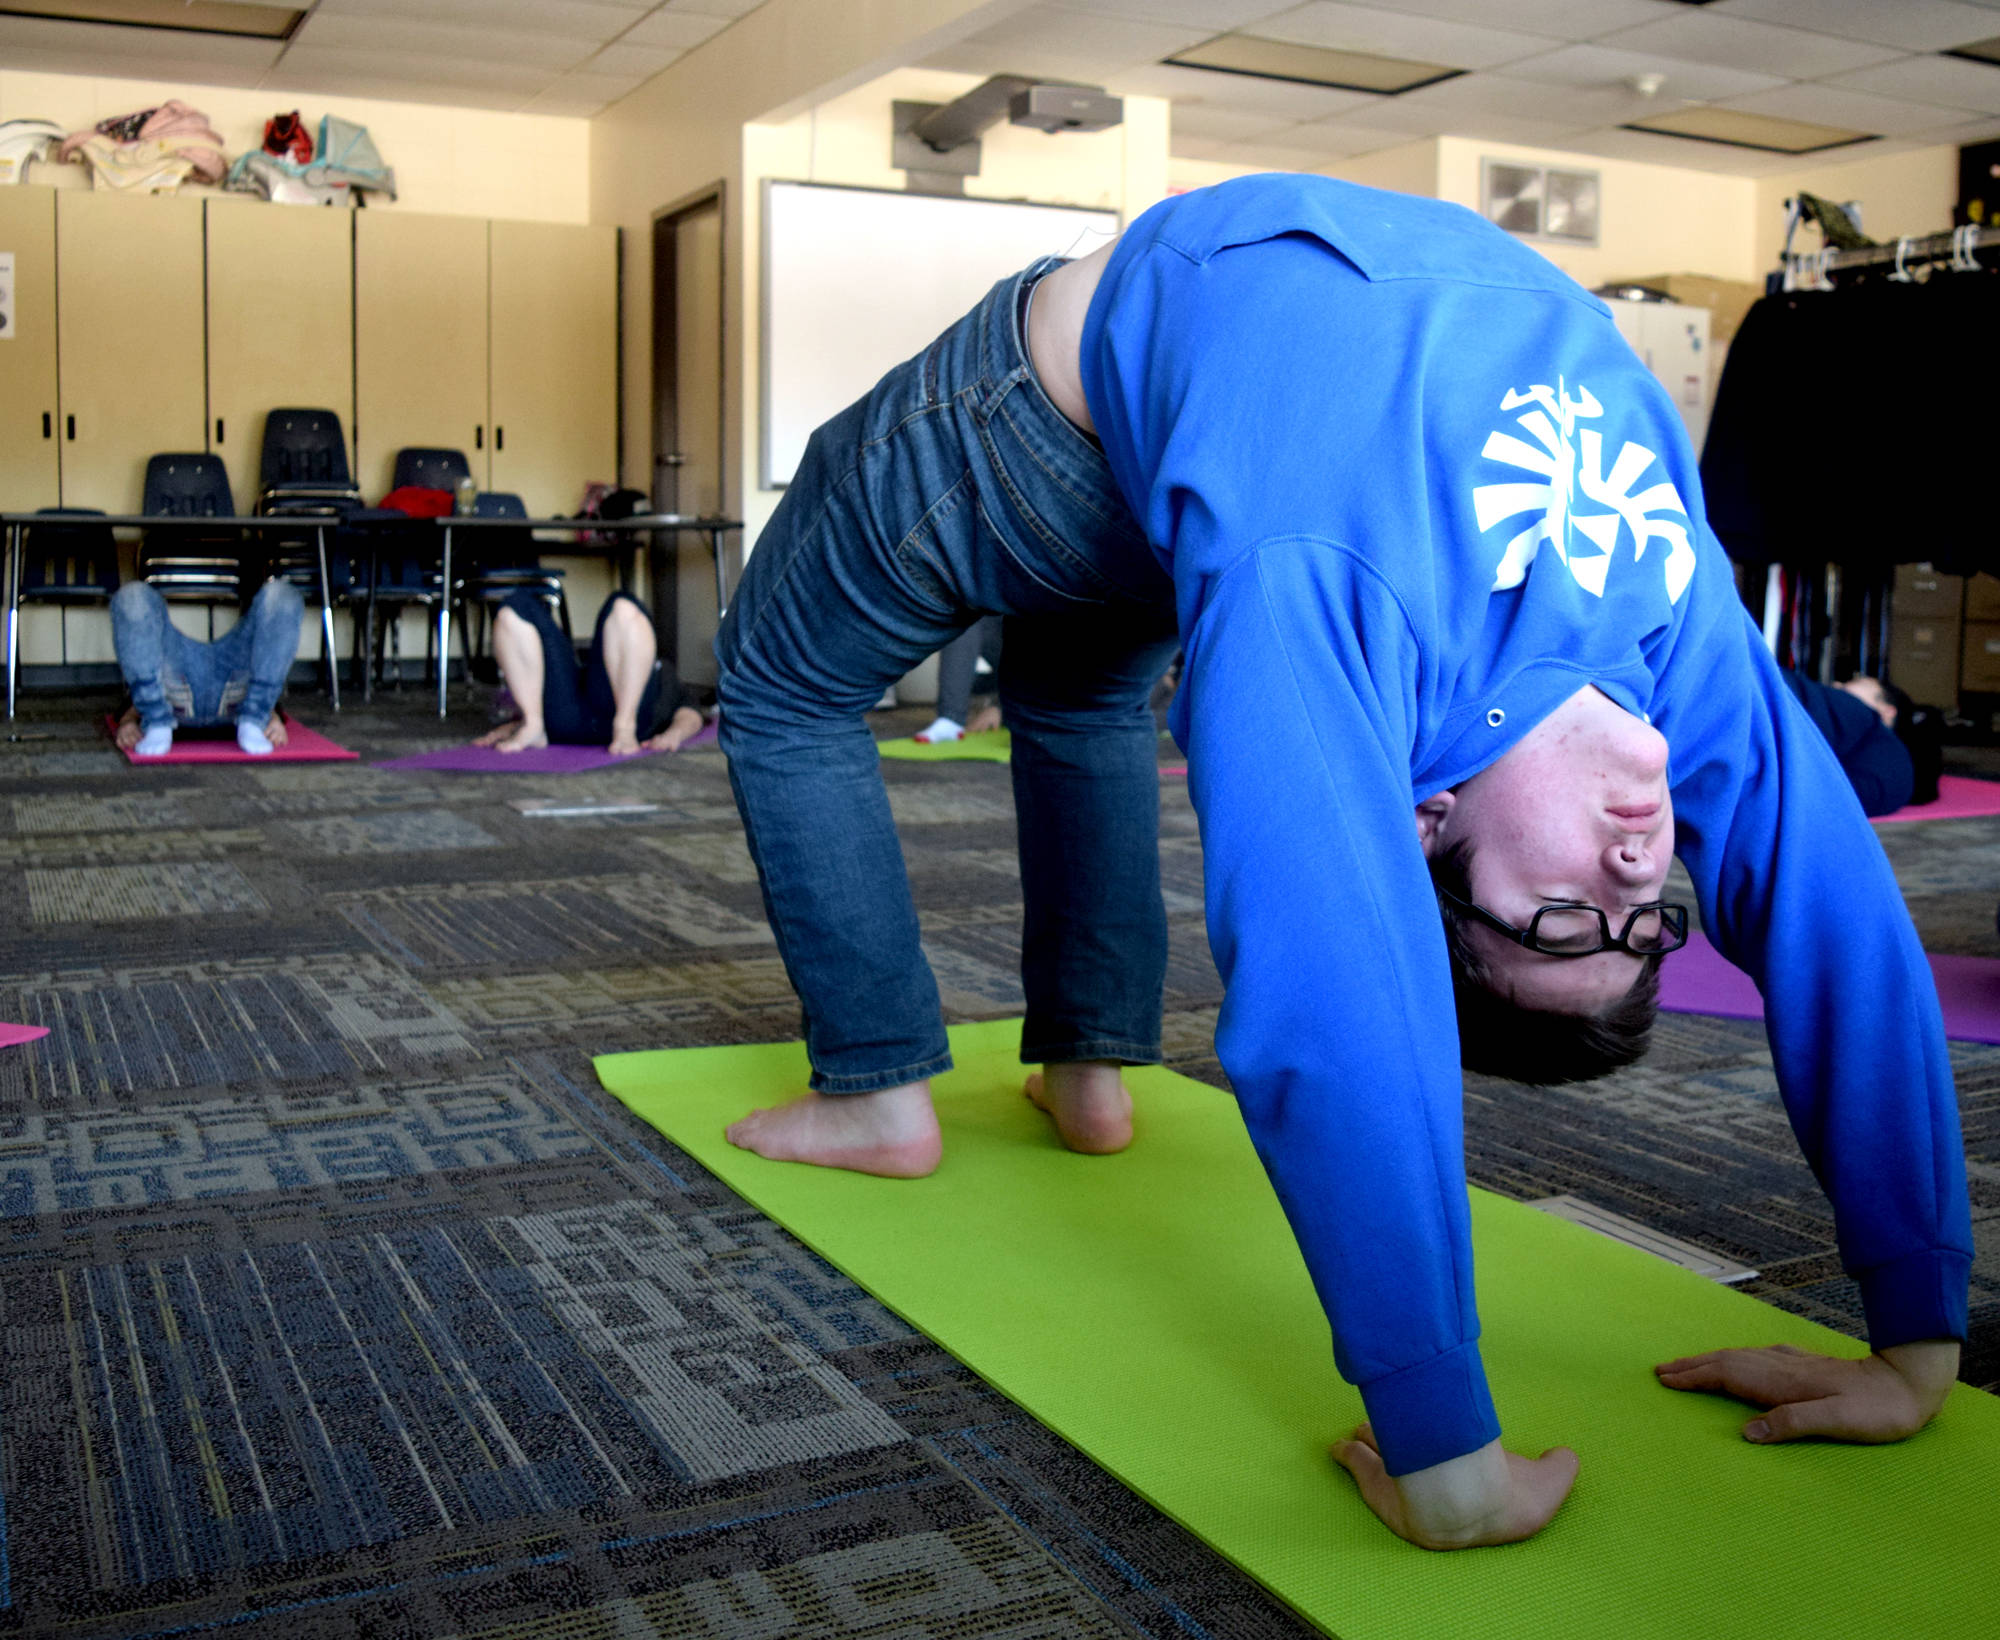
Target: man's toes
[[1032, 1089]]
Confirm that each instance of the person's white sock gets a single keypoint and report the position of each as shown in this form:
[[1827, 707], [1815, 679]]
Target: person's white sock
[[941, 729], [252, 738], [155, 742]]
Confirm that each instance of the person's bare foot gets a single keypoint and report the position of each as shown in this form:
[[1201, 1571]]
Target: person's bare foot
[[275, 731], [984, 721], [892, 1133], [523, 737], [624, 739], [682, 727], [1087, 1101]]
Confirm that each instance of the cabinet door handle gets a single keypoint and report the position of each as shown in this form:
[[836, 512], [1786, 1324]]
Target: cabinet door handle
[[499, 438], [48, 425], [479, 437], [69, 427], [218, 429]]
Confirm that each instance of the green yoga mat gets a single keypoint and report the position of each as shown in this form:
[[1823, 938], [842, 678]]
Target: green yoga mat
[[1153, 1309], [988, 746]]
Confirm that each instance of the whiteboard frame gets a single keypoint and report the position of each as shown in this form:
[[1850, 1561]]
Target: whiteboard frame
[[765, 333]]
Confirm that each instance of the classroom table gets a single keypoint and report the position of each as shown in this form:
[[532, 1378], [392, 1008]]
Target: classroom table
[[366, 530], [626, 548]]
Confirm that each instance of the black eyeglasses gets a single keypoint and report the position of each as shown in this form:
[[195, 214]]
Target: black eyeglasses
[[1651, 930]]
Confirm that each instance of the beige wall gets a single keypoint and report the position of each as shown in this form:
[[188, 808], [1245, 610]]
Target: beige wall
[[1655, 218], [449, 161], [1412, 168], [1901, 194]]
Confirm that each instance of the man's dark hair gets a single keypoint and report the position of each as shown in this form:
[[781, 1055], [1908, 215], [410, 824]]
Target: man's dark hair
[[1501, 1038]]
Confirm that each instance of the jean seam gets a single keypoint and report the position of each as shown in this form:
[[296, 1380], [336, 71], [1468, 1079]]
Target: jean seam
[[899, 1076], [1057, 1053]]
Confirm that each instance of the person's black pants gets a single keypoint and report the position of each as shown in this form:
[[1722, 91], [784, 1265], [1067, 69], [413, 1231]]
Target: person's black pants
[[577, 703]]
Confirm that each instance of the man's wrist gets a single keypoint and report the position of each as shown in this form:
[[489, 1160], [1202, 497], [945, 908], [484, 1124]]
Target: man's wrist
[[1929, 1366], [1458, 1500]]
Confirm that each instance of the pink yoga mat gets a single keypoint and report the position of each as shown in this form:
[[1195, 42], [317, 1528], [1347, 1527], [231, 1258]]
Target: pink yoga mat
[[1700, 980], [303, 745], [1958, 799], [13, 1035]]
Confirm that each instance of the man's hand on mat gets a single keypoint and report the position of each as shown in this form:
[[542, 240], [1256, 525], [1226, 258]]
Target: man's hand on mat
[[682, 727], [1883, 1397], [275, 731], [1488, 1496], [129, 730]]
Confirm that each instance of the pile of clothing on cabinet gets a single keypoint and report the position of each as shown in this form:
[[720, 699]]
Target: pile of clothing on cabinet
[[152, 151], [294, 169]]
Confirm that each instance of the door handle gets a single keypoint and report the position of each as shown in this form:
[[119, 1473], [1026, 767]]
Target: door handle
[[218, 429], [499, 438], [479, 437], [69, 427], [48, 425]]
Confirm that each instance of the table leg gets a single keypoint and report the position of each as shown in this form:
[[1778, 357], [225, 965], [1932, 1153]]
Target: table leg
[[326, 619], [13, 581], [444, 623], [721, 574]]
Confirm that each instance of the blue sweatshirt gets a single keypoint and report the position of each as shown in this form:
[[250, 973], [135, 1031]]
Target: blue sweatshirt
[[1414, 492]]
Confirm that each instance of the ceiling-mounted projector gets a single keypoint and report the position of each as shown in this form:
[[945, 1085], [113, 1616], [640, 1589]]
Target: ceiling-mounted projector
[[1065, 108]]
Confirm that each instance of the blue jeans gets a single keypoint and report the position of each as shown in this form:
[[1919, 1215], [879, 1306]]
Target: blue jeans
[[181, 682], [955, 489]]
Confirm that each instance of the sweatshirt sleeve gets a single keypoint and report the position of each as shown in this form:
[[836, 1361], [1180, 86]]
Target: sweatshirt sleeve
[[1300, 689], [1795, 889]]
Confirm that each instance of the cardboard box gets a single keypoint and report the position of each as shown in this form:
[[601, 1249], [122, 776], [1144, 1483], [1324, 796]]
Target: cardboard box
[[1727, 300], [1979, 671], [1921, 590], [1982, 598], [1924, 659]]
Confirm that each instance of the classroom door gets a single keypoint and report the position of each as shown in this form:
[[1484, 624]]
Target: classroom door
[[419, 341], [280, 326], [554, 361], [30, 460], [130, 327], [687, 421]]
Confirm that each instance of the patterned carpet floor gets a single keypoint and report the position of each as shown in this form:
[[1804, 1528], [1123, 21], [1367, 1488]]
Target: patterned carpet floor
[[337, 1299]]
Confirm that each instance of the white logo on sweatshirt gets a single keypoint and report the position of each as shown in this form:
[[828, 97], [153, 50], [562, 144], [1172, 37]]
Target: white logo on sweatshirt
[[1578, 505]]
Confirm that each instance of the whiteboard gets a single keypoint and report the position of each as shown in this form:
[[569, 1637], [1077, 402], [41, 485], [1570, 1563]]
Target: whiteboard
[[856, 280]]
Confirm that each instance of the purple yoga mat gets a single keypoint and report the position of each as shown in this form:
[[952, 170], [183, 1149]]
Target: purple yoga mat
[[1700, 980], [486, 760]]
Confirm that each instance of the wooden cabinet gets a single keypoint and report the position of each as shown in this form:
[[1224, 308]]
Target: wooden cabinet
[[130, 324], [30, 445], [280, 326], [554, 361], [420, 340]]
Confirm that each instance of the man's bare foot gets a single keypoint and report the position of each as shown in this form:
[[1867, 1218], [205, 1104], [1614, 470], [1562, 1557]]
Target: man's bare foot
[[984, 721], [498, 733], [522, 737], [1088, 1103], [893, 1132], [275, 731], [129, 730]]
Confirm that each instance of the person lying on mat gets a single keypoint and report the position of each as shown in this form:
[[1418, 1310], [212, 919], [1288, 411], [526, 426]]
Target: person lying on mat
[[1464, 667], [1860, 720], [181, 682], [623, 698]]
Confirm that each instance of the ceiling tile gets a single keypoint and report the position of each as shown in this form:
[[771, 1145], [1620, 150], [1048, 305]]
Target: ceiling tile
[[1605, 68], [418, 48], [1111, 42], [1210, 16], [1649, 148], [1735, 42], [342, 70], [1246, 93], [44, 45], [677, 30], [1942, 82], [1566, 106], [1834, 105], [1275, 156], [576, 19], [714, 8], [1396, 34], [576, 103], [1915, 25], [1339, 139], [619, 60], [1223, 124], [1559, 19], [1960, 135], [1197, 148]]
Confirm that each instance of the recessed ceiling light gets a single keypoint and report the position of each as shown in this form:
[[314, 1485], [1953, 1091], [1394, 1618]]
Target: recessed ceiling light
[[1980, 51], [183, 16], [1311, 65], [1736, 129]]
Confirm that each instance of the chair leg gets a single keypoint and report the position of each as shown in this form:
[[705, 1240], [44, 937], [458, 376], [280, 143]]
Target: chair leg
[[562, 611]]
